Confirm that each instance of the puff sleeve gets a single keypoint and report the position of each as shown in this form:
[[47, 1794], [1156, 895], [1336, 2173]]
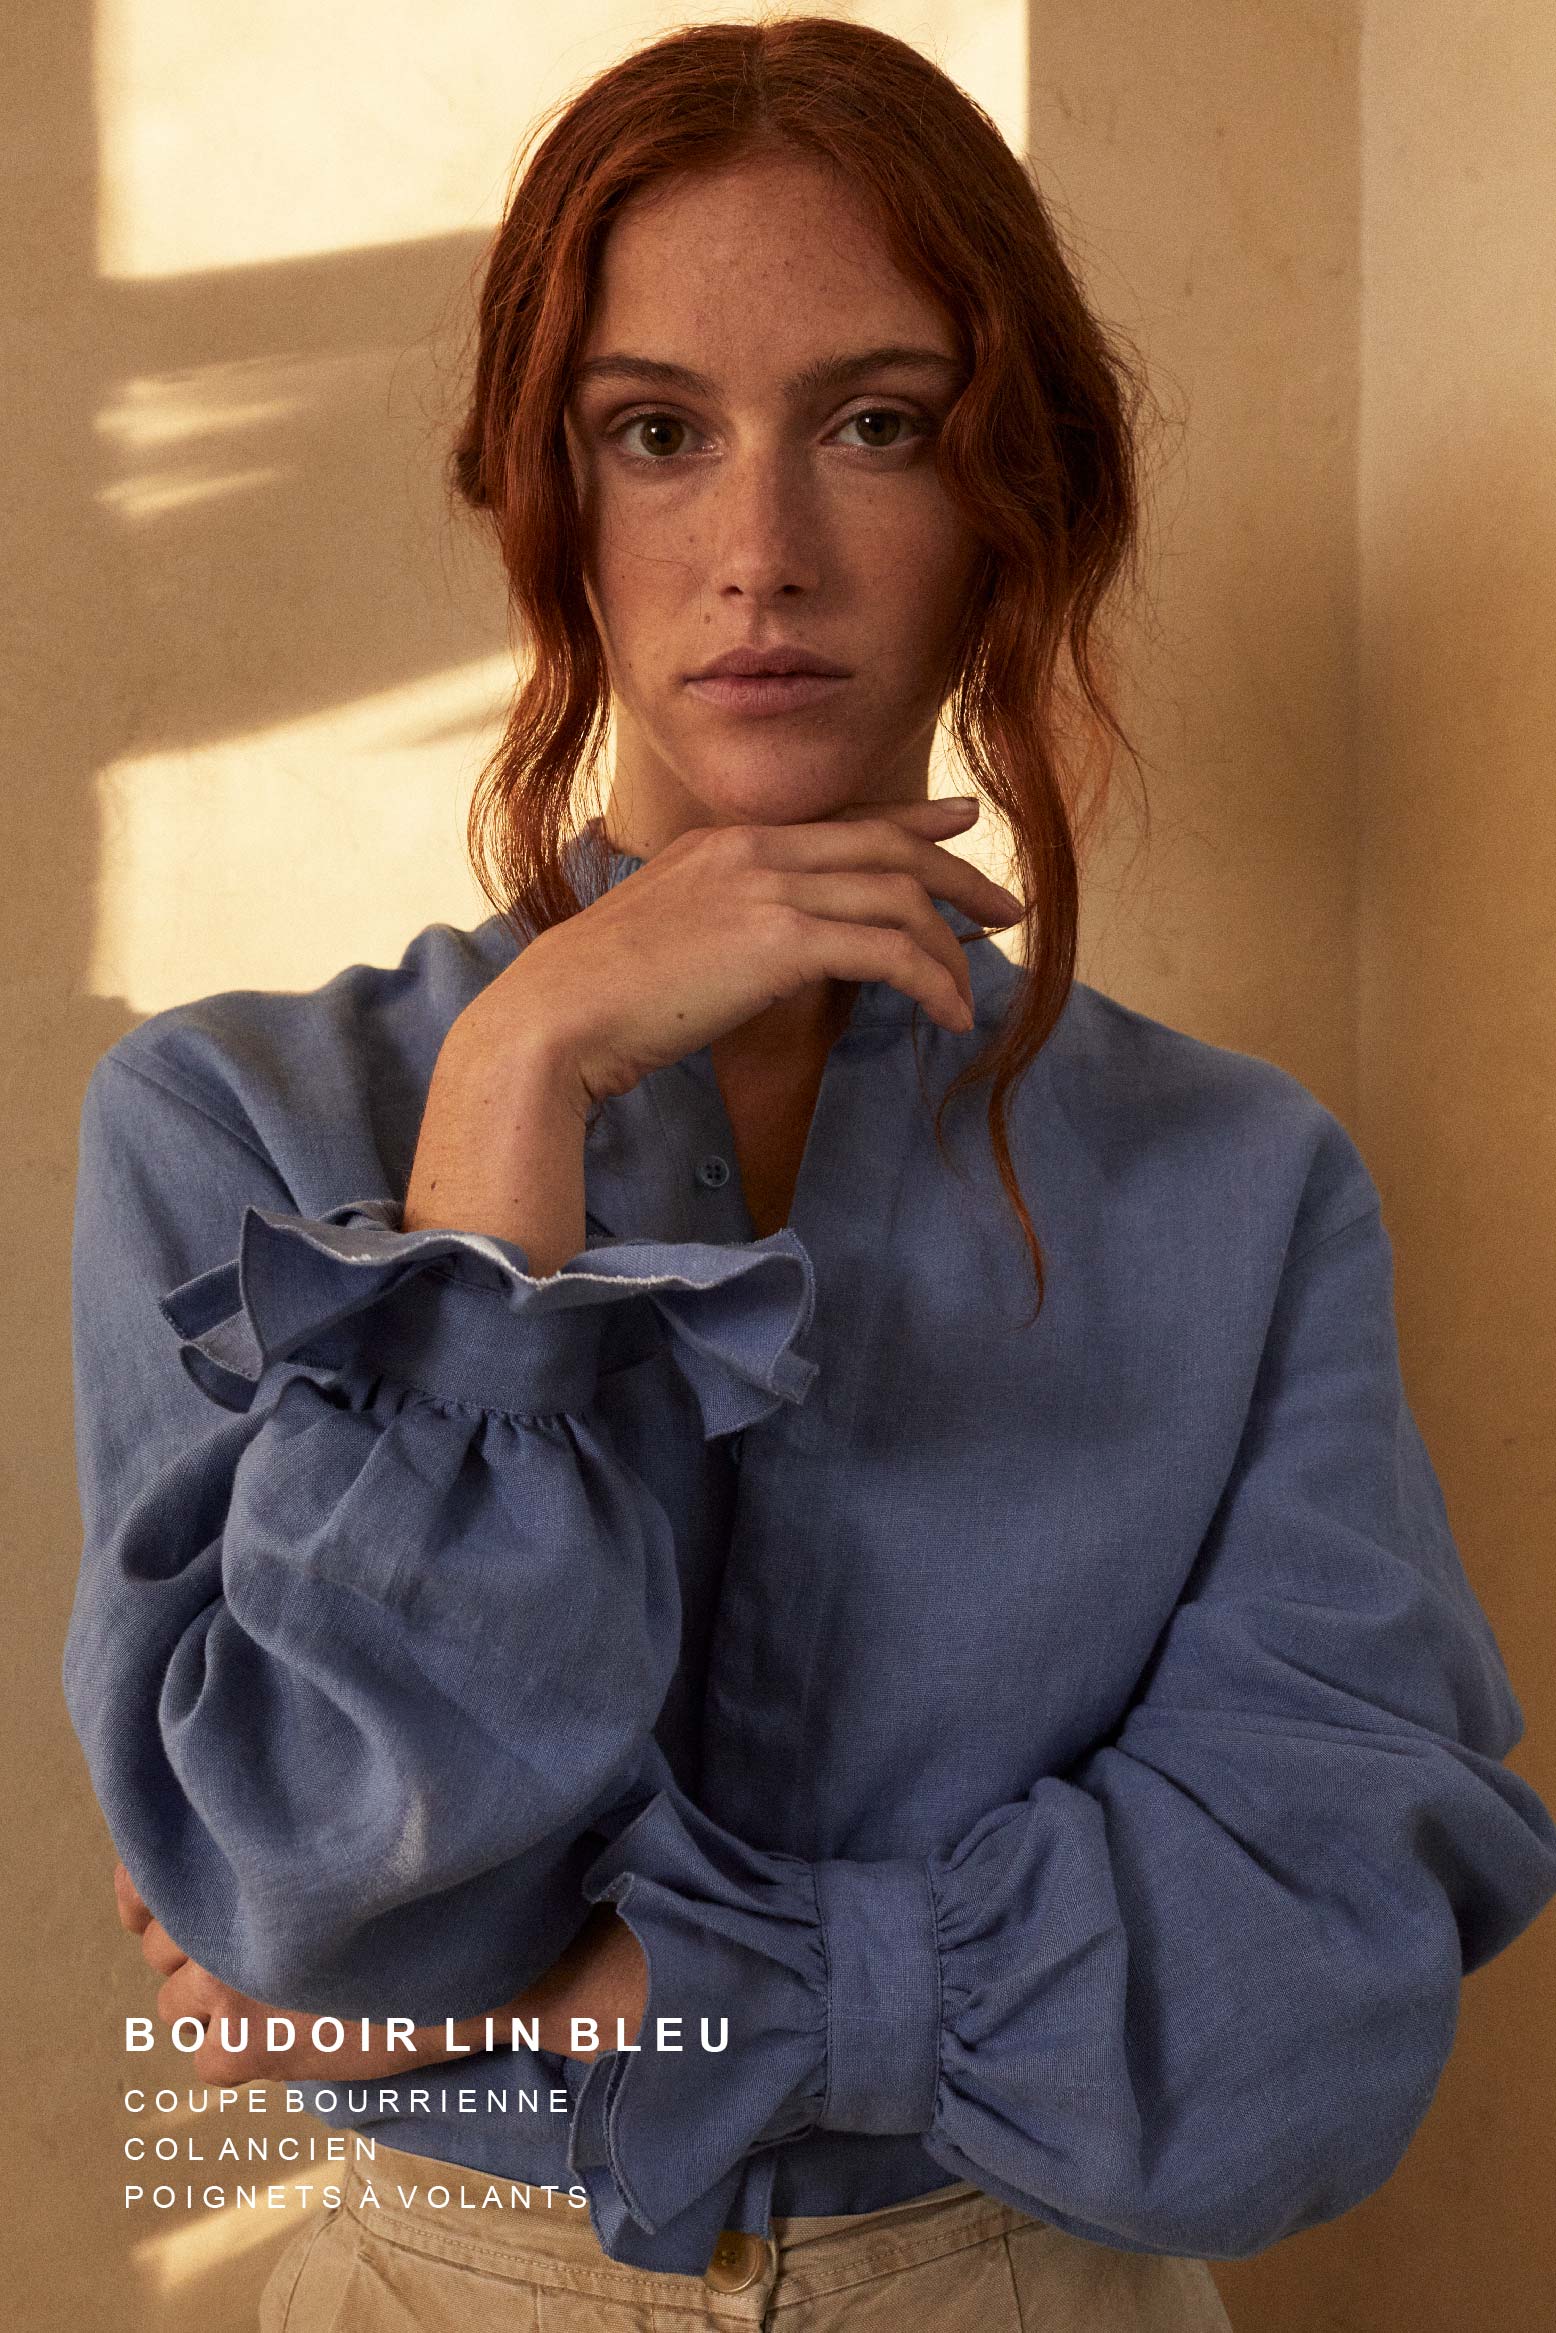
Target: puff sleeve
[[1195, 1993], [372, 1619]]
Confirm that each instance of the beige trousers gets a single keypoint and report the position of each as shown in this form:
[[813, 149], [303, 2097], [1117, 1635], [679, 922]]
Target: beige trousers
[[952, 2262]]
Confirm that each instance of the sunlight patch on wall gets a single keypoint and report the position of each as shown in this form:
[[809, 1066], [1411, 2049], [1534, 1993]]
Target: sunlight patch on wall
[[981, 44], [192, 2248], [284, 130], [171, 435], [274, 859], [186, 2247]]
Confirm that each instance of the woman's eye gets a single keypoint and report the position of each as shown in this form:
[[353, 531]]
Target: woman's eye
[[659, 437], [659, 424], [900, 425]]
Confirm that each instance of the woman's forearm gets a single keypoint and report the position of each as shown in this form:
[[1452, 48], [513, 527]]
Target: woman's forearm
[[501, 1149]]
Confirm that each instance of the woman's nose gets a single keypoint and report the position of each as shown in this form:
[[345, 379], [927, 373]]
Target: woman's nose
[[765, 530]]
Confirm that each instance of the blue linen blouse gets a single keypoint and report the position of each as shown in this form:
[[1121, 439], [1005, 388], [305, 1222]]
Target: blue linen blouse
[[1070, 1755]]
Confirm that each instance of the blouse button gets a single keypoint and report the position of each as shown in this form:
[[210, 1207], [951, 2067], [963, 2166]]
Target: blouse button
[[739, 2258], [713, 1173]]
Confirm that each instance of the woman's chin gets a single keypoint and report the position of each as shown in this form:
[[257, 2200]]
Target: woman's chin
[[781, 802]]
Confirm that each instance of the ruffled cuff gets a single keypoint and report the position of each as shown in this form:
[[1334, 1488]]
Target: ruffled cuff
[[458, 1314], [1034, 1975], [828, 1976]]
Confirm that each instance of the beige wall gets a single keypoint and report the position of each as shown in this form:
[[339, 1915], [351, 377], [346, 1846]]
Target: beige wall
[[1456, 996], [249, 680], [1206, 156], [1331, 227]]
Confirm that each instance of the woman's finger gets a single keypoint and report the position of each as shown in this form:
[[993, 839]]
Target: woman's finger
[[133, 1913], [191, 1991], [159, 1951], [889, 900], [227, 2016]]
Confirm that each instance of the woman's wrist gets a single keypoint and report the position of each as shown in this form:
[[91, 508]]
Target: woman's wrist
[[602, 1978], [501, 1147]]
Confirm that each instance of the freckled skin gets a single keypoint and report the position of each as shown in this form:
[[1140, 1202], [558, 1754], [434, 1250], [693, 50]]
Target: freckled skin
[[742, 516], [757, 520]]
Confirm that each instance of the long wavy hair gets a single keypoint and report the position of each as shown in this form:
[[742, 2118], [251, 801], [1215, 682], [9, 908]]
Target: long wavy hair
[[1040, 453]]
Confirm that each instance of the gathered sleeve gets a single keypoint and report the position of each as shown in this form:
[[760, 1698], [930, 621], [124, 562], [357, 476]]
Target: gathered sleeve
[[372, 1620], [1195, 1993]]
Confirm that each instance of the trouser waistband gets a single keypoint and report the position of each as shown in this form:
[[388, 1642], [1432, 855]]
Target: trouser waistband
[[449, 2212]]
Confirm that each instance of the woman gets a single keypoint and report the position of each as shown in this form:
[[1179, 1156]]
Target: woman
[[580, 1520]]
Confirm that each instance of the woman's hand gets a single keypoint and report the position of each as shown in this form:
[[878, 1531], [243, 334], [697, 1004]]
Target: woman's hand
[[602, 1974], [727, 920], [712, 930]]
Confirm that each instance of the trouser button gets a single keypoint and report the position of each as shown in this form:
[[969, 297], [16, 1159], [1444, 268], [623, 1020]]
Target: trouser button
[[738, 2260]]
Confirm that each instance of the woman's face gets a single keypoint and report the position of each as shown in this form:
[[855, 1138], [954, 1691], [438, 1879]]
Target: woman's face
[[753, 507]]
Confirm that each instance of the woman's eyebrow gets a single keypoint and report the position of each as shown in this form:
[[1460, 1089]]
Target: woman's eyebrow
[[826, 372]]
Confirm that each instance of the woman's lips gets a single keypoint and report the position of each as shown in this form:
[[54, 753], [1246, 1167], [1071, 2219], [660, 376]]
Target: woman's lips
[[767, 692]]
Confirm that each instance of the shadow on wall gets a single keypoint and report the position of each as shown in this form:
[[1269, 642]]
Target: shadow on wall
[[225, 510]]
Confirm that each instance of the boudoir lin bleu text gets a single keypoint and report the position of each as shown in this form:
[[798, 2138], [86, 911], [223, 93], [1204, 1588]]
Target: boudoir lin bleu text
[[329, 2035]]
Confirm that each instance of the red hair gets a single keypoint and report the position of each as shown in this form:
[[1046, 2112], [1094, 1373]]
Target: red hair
[[1039, 453]]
